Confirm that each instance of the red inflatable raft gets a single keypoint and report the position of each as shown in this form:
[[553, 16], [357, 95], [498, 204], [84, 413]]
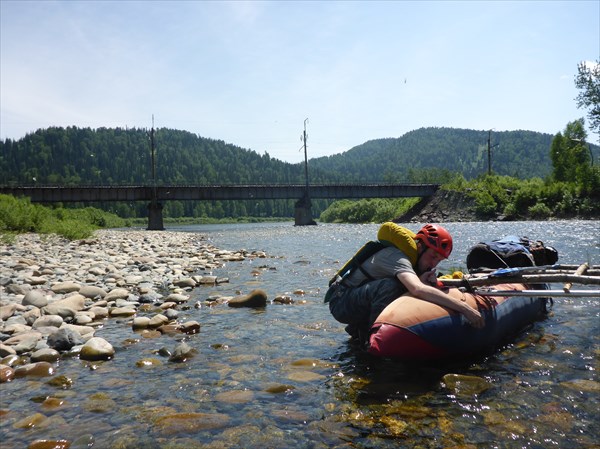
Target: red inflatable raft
[[414, 329]]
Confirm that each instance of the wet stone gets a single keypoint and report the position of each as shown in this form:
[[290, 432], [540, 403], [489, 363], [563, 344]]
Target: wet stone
[[190, 327], [49, 444], [149, 298], [29, 422], [45, 355], [190, 422], [462, 384], [171, 314], [96, 348], [170, 329], [61, 381], [148, 362], [157, 321], [52, 403], [182, 352], [185, 283], [38, 369], [64, 339], [256, 298], [6, 373], [235, 396], [140, 322]]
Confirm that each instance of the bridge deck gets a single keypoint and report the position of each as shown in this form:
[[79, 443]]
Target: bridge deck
[[48, 194]]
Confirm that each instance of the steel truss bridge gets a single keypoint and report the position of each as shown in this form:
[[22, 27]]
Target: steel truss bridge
[[156, 195]]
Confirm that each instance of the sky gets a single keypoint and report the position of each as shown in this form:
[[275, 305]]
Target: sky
[[254, 73]]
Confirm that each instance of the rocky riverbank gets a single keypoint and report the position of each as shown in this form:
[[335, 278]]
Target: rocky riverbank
[[442, 207], [55, 293], [452, 206]]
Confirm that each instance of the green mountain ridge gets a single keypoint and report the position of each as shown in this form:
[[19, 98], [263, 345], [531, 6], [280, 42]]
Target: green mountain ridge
[[73, 155], [116, 156], [521, 154]]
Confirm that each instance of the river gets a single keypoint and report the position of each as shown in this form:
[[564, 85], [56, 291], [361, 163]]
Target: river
[[285, 376]]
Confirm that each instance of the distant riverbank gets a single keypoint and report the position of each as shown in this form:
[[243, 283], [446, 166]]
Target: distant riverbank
[[453, 206]]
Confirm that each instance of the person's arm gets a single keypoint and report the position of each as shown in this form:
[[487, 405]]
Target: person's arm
[[428, 293]]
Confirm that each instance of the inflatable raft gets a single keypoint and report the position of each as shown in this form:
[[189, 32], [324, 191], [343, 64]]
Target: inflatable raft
[[414, 329]]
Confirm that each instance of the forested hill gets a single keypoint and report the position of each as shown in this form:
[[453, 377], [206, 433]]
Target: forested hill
[[521, 154], [122, 156], [109, 156]]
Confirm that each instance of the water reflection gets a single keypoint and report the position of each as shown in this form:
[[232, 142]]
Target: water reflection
[[286, 376]]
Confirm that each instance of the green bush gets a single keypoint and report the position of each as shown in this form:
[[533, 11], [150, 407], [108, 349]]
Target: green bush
[[367, 210], [485, 205], [539, 211], [510, 211], [18, 215]]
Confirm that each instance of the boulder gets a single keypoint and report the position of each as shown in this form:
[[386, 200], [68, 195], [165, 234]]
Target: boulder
[[256, 298]]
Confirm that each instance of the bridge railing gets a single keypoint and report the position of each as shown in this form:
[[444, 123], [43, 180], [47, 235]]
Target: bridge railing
[[89, 193]]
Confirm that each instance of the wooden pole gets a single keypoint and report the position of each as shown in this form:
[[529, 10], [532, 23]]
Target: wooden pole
[[523, 279], [541, 293], [580, 270]]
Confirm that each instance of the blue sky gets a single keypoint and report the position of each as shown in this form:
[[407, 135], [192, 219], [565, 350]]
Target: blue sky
[[250, 73]]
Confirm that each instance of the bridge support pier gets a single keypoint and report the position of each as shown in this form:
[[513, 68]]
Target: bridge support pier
[[303, 213], [155, 218]]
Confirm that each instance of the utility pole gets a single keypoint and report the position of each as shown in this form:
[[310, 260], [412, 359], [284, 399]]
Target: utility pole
[[490, 146], [303, 213], [305, 158]]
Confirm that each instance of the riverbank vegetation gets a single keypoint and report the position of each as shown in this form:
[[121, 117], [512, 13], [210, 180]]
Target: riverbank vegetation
[[76, 156], [19, 215], [572, 190]]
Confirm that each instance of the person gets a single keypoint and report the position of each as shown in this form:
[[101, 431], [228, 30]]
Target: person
[[356, 297]]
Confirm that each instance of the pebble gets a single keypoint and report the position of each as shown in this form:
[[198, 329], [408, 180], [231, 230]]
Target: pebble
[[55, 293]]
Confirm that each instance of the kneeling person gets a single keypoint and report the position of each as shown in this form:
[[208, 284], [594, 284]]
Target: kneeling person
[[401, 262]]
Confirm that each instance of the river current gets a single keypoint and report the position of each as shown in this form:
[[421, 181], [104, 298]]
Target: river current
[[286, 377]]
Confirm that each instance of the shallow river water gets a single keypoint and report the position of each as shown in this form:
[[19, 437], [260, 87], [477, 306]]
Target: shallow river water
[[286, 377]]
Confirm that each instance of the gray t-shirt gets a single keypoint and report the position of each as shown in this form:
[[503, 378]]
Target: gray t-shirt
[[385, 263]]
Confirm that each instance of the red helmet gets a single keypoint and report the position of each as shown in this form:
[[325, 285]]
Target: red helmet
[[436, 238]]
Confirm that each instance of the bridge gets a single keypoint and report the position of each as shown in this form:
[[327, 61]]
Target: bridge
[[158, 194]]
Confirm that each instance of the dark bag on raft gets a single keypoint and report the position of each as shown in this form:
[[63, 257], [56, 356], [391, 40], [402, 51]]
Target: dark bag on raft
[[510, 252]]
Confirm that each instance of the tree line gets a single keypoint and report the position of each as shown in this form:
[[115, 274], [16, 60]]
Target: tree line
[[118, 156]]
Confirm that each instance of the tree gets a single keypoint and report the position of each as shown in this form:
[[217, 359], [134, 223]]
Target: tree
[[570, 157], [588, 81]]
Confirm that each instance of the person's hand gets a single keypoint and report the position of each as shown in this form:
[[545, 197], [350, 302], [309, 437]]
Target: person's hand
[[429, 278], [474, 316]]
